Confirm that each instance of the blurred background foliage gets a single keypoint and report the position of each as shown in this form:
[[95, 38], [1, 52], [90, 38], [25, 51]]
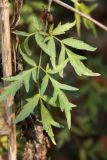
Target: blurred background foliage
[[87, 139]]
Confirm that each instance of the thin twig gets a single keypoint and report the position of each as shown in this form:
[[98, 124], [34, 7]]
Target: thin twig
[[81, 14]]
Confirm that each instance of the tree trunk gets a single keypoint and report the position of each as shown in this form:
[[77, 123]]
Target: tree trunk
[[7, 71]]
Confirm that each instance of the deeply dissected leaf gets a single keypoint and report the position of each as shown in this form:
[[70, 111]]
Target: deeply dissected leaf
[[62, 28], [78, 44], [48, 121], [46, 41], [10, 90], [28, 108], [78, 66], [27, 59]]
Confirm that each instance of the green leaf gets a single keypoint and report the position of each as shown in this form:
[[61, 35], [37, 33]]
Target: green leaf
[[40, 41], [49, 100], [48, 121], [78, 66], [92, 7], [23, 77], [10, 90], [61, 58], [44, 84], [21, 33], [62, 28], [56, 84], [52, 49], [58, 68], [37, 23], [20, 77], [28, 108], [27, 59], [51, 29], [78, 44], [27, 81], [26, 46], [65, 106], [78, 20], [55, 93], [34, 72], [87, 11], [75, 2]]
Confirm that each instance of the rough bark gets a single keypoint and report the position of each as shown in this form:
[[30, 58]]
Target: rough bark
[[7, 71], [37, 145]]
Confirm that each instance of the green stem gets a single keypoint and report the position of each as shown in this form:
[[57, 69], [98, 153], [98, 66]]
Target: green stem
[[40, 59]]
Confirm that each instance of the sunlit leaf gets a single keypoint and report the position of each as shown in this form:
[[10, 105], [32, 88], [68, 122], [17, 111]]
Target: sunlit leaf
[[62, 86], [62, 28], [78, 44], [48, 121], [78, 66]]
